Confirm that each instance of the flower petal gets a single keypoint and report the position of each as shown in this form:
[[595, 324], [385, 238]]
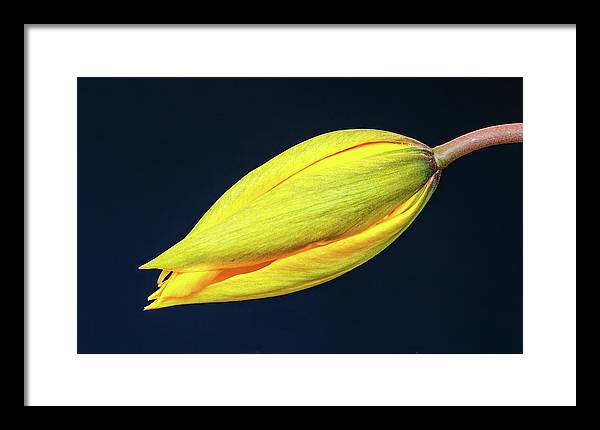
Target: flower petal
[[303, 269], [346, 193], [288, 163]]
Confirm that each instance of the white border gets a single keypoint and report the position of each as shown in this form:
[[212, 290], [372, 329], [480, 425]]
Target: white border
[[544, 375]]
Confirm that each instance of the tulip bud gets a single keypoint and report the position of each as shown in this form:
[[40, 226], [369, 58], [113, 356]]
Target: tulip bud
[[311, 214]]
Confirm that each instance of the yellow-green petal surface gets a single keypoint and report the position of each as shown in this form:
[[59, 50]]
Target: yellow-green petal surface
[[324, 189]]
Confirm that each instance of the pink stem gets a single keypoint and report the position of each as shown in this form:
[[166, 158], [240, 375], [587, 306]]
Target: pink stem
[[467, 143]]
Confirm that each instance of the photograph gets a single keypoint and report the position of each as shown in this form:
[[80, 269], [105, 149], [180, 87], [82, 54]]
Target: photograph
[[299, 215]]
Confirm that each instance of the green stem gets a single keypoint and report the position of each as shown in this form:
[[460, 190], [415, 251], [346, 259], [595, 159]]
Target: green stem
[[467, 143]]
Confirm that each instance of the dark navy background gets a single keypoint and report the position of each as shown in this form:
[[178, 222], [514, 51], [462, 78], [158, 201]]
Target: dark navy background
[[154, 154]]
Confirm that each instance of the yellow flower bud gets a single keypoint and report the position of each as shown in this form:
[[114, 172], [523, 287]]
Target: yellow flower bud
[[311, 214]]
